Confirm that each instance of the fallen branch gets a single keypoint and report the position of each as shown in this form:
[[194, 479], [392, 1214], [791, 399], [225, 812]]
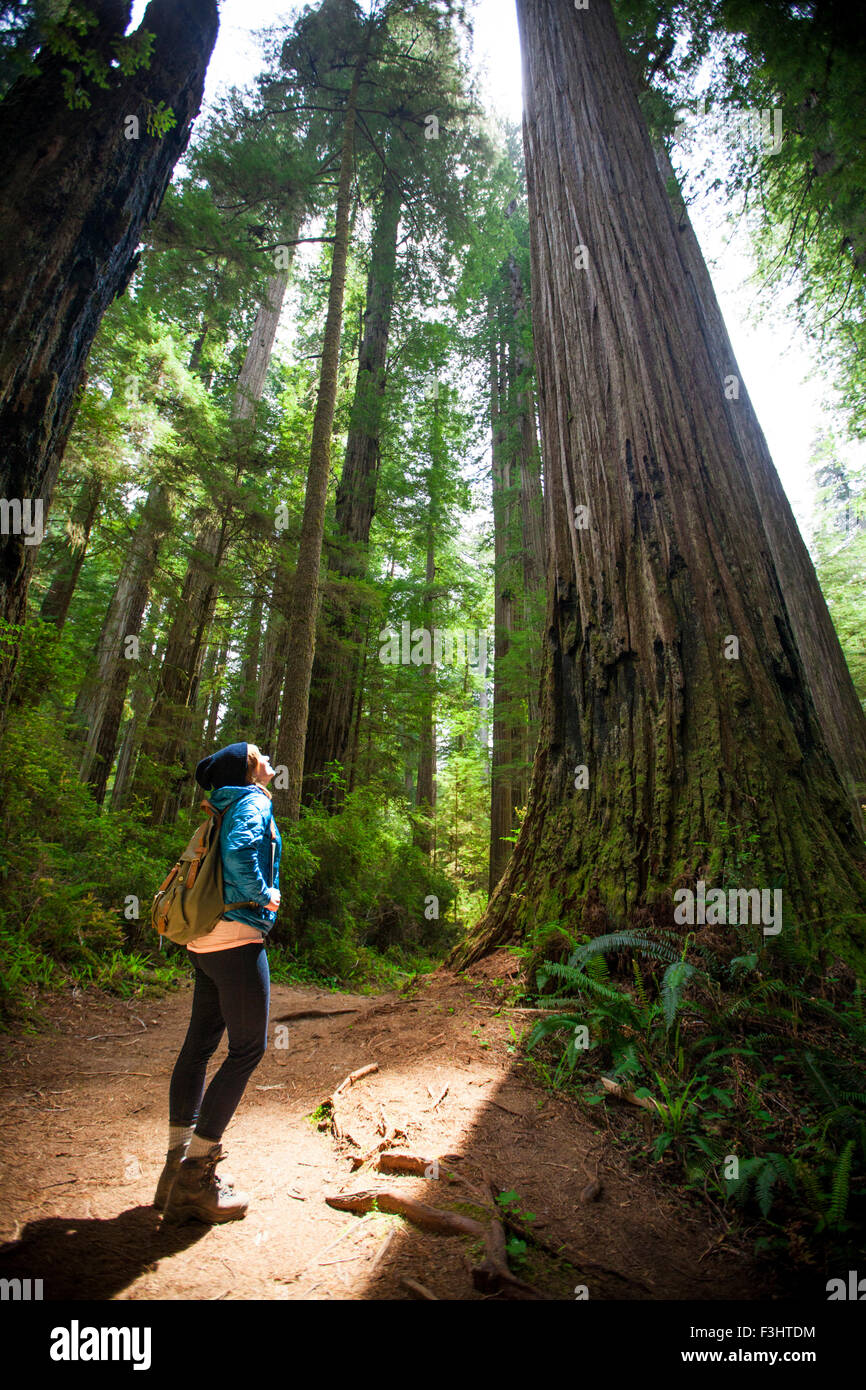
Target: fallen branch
[[98, 1037], [645, 1102], [353, 1077], [443, 1223], [419, 1290], [411, 1164]]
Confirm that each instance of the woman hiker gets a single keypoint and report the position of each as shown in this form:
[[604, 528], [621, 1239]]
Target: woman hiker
[[232, 990]]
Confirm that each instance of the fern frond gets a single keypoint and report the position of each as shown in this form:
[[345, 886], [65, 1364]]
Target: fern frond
[[675, 979], [819, 1082], [625, 941], [581, 981], [840, 1189], [639, 986]]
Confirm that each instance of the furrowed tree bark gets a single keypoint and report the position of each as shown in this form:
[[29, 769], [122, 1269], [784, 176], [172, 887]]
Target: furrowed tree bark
[[699, 766], [75, 195], [305, 593], [531, 495], [342, 625], [506, 747], [843, 722]]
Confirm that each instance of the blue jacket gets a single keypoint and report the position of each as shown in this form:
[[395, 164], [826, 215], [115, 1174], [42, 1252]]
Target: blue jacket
[[245, 847]]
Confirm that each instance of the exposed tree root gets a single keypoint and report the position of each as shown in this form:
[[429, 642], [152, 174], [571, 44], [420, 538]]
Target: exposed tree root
[[575, 1258], [492, 1276], [419, 1290], [443, 1223], [329, 1107]]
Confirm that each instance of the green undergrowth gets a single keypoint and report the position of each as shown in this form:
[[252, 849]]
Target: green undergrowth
[[76, 885], [749, 1055]]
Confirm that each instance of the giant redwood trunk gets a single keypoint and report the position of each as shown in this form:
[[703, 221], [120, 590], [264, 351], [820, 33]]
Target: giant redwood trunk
[[507, 734], [531, 494], [337, 657], [701, 763], [75, 195], [843, 722]]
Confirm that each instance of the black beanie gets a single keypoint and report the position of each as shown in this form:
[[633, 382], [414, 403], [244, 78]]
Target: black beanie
[[225, 768]]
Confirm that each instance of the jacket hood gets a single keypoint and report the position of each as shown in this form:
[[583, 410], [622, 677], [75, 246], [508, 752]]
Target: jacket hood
[[223, 797]]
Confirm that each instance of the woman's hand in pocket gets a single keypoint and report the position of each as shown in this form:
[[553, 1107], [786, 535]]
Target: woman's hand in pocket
[[274, 903]]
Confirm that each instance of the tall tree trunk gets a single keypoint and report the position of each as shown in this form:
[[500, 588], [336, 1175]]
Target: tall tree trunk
[[505, 753], [531, 496], [352, 760], [305, 595], [341, 626], [124, 763], [245, 701], [203, 739], [843, 722], [273, 670], [424, 835], [169, 726], [101, 702], [58, 596], [703, 764], [139, 698], [75, 196], [171, 723], [250, 384]]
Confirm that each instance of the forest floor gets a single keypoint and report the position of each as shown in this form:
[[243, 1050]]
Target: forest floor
[[83, 1117]]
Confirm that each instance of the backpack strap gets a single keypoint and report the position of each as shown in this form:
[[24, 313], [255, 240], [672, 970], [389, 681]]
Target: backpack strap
[[205, 842], [273, 846]]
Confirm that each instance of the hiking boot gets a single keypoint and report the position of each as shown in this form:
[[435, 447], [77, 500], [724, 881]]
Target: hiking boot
[[168, 1175], [199, 1193], [173, 1161]]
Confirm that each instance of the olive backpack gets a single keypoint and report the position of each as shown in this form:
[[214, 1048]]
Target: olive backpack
[[190, 901]]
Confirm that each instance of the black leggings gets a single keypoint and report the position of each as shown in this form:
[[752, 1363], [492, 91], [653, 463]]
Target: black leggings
[[232, 990]]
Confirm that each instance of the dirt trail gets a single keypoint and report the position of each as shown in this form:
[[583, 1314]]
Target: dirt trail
[[84, 1124]]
